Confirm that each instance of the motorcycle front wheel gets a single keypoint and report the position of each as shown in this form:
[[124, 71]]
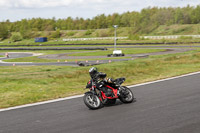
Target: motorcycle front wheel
[[92, 101], [129, 97]]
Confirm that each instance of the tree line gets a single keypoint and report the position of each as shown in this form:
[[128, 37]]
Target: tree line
[[141, 22]]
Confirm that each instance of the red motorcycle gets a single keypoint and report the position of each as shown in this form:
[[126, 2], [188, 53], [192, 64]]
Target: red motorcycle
[[95, 98]]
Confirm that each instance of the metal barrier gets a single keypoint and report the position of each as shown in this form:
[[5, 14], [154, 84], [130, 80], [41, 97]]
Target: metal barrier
[[145, 37], [97, 38], [169, 36]]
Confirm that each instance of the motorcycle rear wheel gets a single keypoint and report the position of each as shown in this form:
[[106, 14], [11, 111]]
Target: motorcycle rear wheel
[[92, 101], [128, 98]]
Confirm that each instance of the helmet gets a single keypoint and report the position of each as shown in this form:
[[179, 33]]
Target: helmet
[[93, 72]]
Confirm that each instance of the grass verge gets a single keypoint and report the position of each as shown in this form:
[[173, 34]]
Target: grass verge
[[29, 84]]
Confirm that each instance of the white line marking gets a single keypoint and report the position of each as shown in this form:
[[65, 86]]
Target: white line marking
[[164, 79], [77, 96], [40, 103]]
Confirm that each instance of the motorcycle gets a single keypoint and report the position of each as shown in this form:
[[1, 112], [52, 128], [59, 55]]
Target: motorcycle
[[96, 98]]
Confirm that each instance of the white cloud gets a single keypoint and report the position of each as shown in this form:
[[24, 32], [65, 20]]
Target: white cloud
[[79, 8], [35, 3], [4, 3], [89, 3], [52, 3]]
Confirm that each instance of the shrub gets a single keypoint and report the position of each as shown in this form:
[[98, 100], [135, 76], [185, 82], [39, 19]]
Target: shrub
[[71, 33], [26, 34], [56, 34], [16, 37], [3, 31], [88, 32]]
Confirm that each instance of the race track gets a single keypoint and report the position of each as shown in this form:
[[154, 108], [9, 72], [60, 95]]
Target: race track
[[13, 55], [170, 106]]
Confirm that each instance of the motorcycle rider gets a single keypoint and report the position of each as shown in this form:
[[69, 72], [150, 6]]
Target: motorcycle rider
[[100, 79]]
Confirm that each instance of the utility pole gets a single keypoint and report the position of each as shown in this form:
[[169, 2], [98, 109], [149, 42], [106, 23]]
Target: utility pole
[[116, 52], [115, 41]]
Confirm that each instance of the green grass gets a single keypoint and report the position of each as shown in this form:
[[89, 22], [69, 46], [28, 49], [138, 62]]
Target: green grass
[[84, 53], [30, 42], [187, 29], [51, 42], [29, 84], [126, 51]]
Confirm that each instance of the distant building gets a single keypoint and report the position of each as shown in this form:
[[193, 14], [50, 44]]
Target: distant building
[[41, 39]]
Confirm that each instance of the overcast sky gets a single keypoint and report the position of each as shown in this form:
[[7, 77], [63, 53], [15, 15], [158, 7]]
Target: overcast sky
[[18, 9]]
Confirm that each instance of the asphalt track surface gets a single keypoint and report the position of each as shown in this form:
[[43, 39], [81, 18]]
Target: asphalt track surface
[[170, 106], [74, 63], [14, 55]]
